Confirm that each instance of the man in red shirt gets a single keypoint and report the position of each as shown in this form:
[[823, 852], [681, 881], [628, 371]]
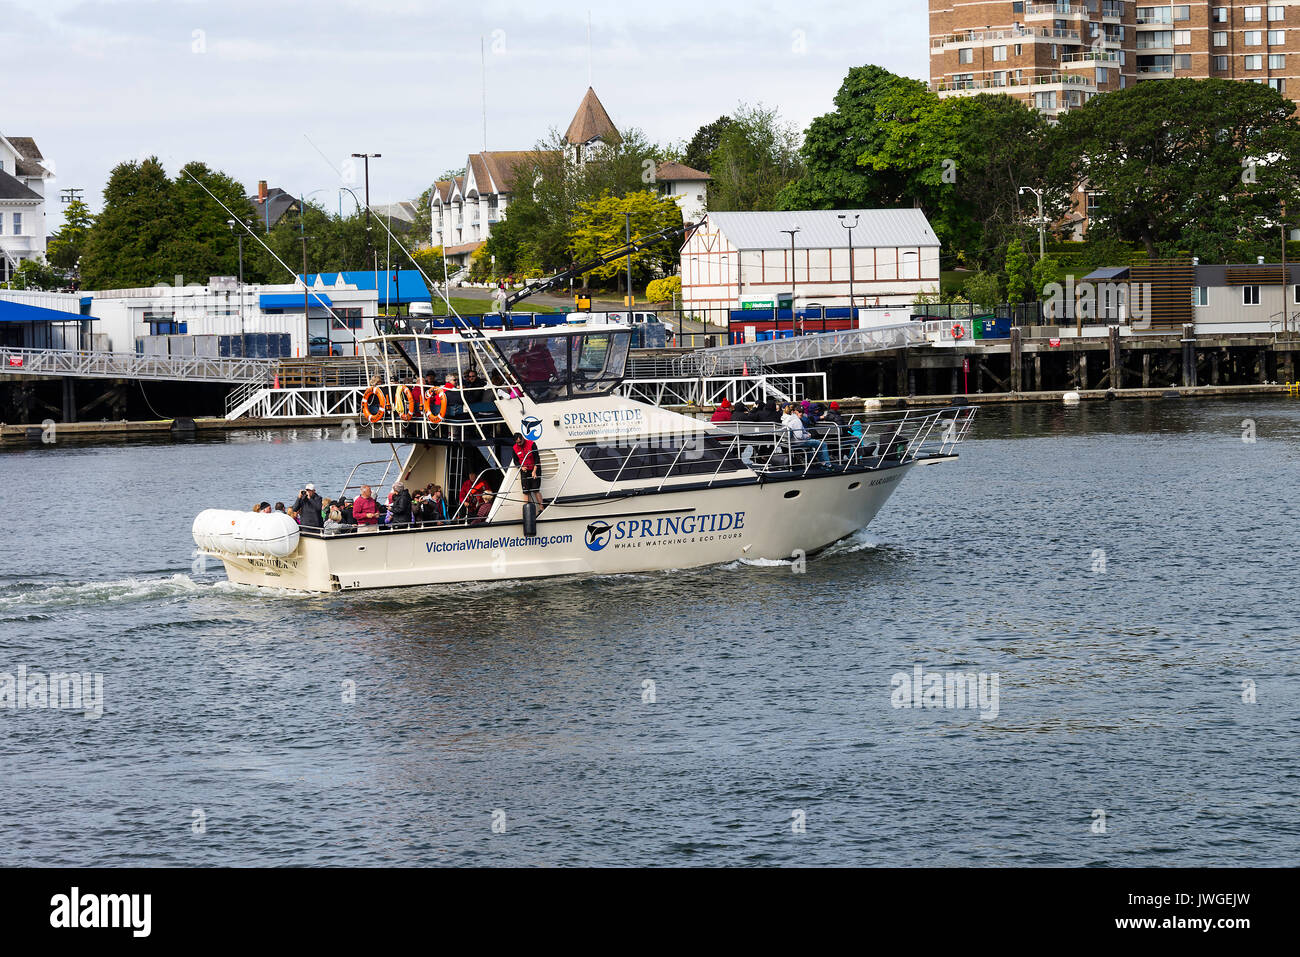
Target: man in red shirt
[[365, 510], [530, 473]]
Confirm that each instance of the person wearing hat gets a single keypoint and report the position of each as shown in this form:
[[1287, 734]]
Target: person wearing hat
[[485, 508], [723, 412], [308, 505], [834, 415]]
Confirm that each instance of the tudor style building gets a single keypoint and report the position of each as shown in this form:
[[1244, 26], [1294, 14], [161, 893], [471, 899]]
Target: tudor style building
[[23, 175]]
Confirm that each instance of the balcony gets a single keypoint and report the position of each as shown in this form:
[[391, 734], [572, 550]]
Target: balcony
[[1029, 83], [1154, 72], [1052, 11], [1092, 58], [1020, 35]]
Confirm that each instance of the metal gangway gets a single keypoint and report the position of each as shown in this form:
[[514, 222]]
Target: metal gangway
[[813, 346], [90, 364]]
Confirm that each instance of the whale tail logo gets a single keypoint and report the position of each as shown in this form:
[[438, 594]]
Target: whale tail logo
[[598, 535], [532, 427]]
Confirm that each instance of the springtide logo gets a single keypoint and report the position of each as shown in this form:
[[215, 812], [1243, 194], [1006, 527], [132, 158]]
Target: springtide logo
[[74, 910], [59, 691], [598, 535], [532, 427], [945, 689]]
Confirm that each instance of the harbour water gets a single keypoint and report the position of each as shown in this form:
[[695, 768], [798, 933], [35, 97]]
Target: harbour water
[[1124, 570]]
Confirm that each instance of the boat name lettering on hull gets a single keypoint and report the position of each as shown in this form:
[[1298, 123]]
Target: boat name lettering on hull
[[488, 544], [676, 530]]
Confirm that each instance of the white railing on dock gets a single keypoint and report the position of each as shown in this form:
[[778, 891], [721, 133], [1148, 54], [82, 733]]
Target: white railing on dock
[[806, 348], [129, 365]]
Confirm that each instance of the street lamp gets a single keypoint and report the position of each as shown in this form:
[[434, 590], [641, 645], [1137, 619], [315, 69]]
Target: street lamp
[[844, 221], [791, 233], [239, 238], [1042, 249], [367, 158]]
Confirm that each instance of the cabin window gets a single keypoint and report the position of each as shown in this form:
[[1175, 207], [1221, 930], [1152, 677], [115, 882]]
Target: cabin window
[[1200, 295], [1250, 295], [552, 368]]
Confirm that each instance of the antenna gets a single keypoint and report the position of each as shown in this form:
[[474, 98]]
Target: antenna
[[483, 76]]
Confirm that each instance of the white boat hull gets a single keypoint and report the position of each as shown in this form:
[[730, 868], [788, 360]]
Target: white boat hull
[[686, 529]]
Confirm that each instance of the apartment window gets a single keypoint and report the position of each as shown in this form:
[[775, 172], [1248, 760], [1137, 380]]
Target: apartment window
[[1154, 15], [1055, 55], [18, 224], [1182, 38], [1254, 62], [1277, 13], [1276, 38], [966, 55], [1254, 38], [999, 53], [1219, 38], [1018, 6], [1103, 74], [1000, 78], [1182, 13], [1278, 84], [1254, 14], [1200, 295], [1220, 15], [1277, 61], [1221, 63], [1154, 39], [1250, 295], [1045, 101], [1019, 48], [1183, 61]]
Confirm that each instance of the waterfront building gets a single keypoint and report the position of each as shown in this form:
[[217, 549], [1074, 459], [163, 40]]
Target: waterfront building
[[738, 259], [465, 209], [23, 175]]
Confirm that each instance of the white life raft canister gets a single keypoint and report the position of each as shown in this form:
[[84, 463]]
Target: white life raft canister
[[246, 533]]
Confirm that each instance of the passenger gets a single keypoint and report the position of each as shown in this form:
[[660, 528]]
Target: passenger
[[325, 505], [261, 507], [484, 508], [345, 507], [455, 403], [741, 413], [279, 506], [471, 488], [436, 506], [307, 505], [530, 471], [473, 390], [400, 505], [334, 522], [800, 436], [417, 394], [834, 415], [723, 412], [293, 514], [365, 510]]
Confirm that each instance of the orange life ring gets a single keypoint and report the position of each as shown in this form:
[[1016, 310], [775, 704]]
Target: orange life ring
[[405, 408], [957, 330], [435, 395], [381, 400]]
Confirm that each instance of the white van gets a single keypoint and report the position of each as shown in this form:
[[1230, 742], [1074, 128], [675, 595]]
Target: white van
[[621, 318]]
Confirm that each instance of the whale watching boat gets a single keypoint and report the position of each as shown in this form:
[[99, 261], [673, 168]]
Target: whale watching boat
[[626, 486]]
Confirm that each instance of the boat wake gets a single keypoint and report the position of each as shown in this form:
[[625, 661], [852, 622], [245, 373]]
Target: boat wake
[[23, 599]]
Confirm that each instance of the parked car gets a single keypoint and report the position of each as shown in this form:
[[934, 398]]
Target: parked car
[[321, 346], [621, 318]]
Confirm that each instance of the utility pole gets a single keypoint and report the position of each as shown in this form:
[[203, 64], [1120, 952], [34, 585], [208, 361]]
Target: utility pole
[[844, 221], [1042, 245], [776, 312], [71, 194], [239, 238], [629, 269], [306, 307]]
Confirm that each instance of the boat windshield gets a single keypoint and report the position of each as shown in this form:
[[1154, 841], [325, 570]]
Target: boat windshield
[[566, 366]]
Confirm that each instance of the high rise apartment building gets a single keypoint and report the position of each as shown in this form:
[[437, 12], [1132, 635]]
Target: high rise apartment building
[[1057, 56]]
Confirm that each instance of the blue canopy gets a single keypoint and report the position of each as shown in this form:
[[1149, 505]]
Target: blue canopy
[[396, 286], [291, 300], [11, 311]]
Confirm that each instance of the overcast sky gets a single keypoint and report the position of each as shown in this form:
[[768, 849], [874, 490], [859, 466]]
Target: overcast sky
[[248, 87]]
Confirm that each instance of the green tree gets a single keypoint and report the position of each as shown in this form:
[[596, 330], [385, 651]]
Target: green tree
[[1196, 164], [1018, 271], [1046, 271], [983, 289], [600, 225], [66, 246], [667, 289], [699, 151], [35, 275], [756, 158]]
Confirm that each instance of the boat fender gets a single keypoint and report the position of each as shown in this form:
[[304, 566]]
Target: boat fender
[[530, 520]]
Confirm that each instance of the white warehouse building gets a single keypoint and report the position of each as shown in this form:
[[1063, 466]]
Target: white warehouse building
[[735, 259]]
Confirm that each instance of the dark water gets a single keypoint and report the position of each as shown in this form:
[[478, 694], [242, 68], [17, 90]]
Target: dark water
[[1119, 690]]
